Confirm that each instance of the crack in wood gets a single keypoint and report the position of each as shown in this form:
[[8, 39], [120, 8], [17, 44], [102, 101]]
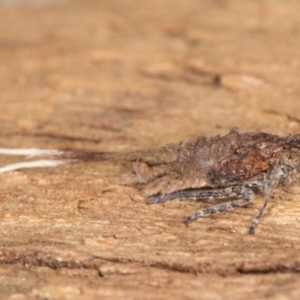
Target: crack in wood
[[95, 262], [54, 136], [277, 113]]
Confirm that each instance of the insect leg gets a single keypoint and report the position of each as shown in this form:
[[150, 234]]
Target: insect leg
[[245, 197], [258, 215], [268, 188], [209, 194]]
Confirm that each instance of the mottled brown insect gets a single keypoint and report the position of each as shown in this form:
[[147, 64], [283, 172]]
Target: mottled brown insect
[[204, 168]]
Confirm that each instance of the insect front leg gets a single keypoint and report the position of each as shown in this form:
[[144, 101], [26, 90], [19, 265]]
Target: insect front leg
[[209, 194], [245, 196]]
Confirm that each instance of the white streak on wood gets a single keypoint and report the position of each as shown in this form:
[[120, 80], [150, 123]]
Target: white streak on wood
[[33, 164], [30, 152]]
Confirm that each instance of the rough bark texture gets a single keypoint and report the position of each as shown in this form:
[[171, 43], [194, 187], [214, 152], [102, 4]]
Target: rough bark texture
[[124, 75]]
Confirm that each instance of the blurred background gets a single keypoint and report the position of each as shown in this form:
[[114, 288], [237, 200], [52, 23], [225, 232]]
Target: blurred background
[[29, 2], [126, 74]]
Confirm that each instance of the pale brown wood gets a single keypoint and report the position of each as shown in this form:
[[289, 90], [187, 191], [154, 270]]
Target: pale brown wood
[[123, 75]]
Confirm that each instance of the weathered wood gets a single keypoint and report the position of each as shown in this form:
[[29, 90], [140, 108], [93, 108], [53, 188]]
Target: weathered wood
[[121, 75]]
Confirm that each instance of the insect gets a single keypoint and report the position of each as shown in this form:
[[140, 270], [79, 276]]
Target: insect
[[210, 168]]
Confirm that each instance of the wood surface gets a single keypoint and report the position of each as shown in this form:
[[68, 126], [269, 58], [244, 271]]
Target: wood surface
[[128, 74]]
